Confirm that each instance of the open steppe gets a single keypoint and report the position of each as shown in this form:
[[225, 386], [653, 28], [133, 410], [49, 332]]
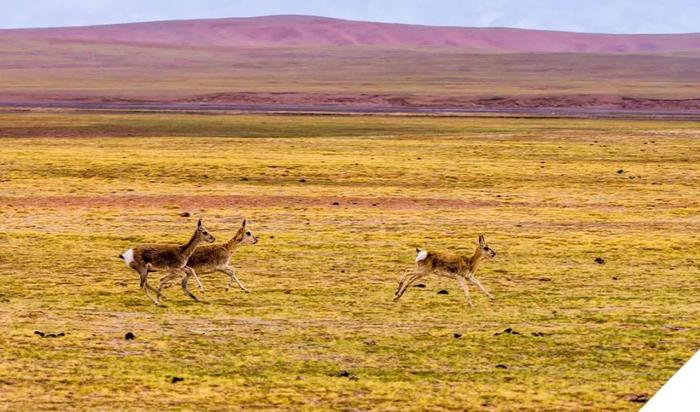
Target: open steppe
[[339, 203]]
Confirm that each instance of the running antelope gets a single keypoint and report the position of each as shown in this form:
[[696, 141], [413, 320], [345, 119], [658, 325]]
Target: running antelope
[[216, 258], [461, 268], [164, 257]]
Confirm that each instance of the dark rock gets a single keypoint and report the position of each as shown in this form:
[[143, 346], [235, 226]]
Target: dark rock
[[508, 331], [185, 214], [638, 398], [619, 172], [419, 285], [336, 203], [539, 334], [614, 278], [176, 379], [38, 332], [344, 374], [244, 179], [457, 335], [545, 279], [302, 180], [599, 260], [443, 292], [129, 336], [501, 366]]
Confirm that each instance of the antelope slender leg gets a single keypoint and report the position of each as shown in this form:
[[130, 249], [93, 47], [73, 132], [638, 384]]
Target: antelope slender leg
[[143, 274], [188, 272], [153, 290], [405, 285], [475, 281], [165, 280], [406, 273], [232, 277], [196, 279], [463, 283]]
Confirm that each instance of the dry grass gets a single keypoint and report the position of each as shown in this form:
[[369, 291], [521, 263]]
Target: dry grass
[[47, 69], [550, 202]]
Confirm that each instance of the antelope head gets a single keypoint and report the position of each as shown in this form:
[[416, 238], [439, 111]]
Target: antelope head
[[245, 235], [203, 233], [483, 249]]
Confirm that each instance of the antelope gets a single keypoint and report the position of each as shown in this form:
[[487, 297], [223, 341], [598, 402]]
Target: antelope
[[165, 257], [460, 268], [216, 258]]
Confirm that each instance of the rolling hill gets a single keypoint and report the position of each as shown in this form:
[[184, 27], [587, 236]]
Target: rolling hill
[[310, 63], [276, 31]]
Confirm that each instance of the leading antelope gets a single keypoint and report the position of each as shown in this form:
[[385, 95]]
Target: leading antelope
[[460, 268], [162, 257], [215, 258]]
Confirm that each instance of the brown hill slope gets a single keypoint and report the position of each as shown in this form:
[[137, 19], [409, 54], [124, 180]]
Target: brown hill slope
[[275, 31], [352, 66]]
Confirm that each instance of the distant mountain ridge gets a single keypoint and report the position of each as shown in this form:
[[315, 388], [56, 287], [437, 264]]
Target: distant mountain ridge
[[311, 31]]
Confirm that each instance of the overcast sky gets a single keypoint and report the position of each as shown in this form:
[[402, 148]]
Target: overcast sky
[[609, 16]]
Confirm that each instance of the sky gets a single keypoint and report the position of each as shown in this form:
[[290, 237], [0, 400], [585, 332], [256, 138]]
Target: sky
[[600, 16]]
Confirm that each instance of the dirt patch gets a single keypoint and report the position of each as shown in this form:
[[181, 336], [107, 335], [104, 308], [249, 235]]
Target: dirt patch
[[203, 201]]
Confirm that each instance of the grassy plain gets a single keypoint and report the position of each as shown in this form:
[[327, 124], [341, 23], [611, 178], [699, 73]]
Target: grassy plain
[[78, 189], [45, 70]]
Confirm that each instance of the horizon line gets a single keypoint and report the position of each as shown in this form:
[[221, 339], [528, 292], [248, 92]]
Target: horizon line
[[344, 20]]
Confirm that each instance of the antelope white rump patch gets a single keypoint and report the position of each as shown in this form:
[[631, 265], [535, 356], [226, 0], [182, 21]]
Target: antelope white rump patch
[[128, 257], [421, 255]]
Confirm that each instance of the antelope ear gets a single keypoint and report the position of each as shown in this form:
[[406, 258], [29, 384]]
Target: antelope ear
[[199, 222], [243, 224], [482, 241], [417, 250]]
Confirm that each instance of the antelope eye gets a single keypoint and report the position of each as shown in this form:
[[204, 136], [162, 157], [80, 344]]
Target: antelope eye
[[247, 233]]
